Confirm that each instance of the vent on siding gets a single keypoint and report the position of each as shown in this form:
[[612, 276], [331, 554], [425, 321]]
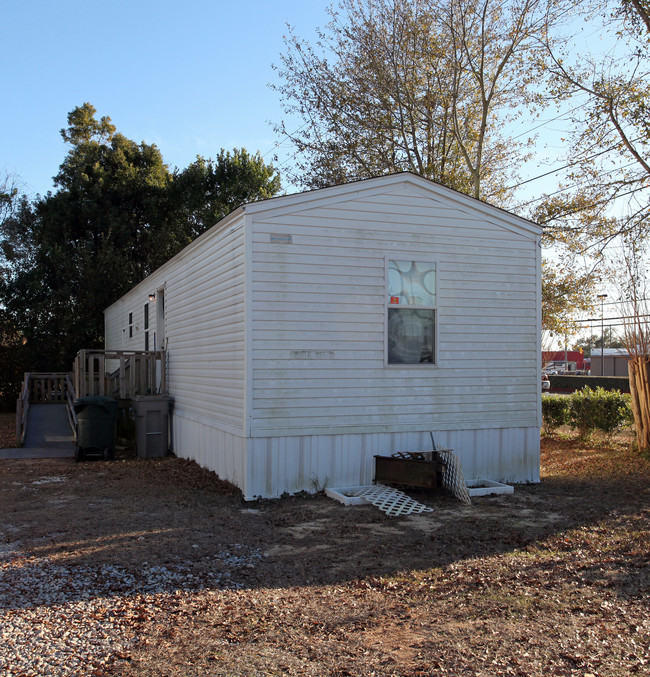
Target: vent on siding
[[280, 238]]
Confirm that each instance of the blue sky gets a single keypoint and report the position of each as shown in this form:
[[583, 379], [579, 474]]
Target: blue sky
[[191, 77]]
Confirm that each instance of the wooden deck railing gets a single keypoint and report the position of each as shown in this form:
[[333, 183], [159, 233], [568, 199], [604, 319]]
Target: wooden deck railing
[[122, 374], [71, 397], [45, 388], [22, 408]]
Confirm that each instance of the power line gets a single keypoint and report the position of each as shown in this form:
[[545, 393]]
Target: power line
[[288, 137], [575, 185], [596, 204], [616, 303], [555, 171], [609, 319], [285, 138], [547, 122]]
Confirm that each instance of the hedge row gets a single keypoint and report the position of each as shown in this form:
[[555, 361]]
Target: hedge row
[[564, 382], [587, 410]]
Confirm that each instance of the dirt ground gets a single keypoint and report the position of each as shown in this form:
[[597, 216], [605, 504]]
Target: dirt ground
[[553, 580]]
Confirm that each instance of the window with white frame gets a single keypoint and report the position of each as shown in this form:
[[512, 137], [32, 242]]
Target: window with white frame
[[411, 308]]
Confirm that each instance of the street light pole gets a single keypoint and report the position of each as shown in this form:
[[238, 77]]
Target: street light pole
[[602, 298]]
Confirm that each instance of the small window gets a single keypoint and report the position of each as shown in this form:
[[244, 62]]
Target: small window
[[130, 325], [411, 310]]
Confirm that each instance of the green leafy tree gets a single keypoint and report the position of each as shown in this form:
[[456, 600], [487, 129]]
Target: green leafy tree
[[596, 341], [15, 359], [208, 190], [116, 215], [8, 195], [82, 246], [567, 293]]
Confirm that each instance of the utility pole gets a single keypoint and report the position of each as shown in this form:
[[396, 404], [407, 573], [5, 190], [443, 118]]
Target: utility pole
[[602, 298]]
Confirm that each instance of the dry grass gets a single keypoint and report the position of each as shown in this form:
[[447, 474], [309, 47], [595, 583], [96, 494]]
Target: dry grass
[[551, 581], [7, 430]]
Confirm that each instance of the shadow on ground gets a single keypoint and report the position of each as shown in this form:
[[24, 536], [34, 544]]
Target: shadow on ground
[[78, 531]]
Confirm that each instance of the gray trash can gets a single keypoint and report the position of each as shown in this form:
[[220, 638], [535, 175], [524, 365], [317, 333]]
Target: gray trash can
[[96, 418], [151, 425]]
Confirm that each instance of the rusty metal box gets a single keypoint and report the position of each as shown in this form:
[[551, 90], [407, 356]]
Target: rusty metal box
[[409, 471]]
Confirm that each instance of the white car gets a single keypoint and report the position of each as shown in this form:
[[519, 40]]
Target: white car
[[546, 384]]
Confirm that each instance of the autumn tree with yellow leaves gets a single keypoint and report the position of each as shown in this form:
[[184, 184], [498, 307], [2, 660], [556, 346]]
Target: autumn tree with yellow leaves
[[427, 86]]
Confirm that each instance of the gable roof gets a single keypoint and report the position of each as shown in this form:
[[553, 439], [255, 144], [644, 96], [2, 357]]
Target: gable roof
[[309, 199]]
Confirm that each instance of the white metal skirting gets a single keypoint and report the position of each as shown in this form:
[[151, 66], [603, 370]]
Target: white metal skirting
[[212, 448], [312, 462], [267, 467]]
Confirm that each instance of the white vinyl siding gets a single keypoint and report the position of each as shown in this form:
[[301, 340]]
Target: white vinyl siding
[[204, 328], [319, 308]]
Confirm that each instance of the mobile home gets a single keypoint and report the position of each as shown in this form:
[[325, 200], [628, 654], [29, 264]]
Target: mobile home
[[309, 332]]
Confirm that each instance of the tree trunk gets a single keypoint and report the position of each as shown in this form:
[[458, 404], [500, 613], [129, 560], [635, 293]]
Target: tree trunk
[[640, 392]]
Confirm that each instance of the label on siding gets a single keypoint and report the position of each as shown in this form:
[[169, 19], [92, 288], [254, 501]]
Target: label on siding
[[312, 354], [280, 238]]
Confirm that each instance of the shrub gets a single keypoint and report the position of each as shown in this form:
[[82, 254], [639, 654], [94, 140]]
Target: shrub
[[555, 411], [599, 409]]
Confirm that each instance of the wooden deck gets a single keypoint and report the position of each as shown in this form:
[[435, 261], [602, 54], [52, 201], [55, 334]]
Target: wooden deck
[[45, 412]]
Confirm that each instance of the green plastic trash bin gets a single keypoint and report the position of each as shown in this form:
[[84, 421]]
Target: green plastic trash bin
[[96, 419]]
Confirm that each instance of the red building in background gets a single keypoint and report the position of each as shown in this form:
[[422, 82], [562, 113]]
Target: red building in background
[[559, 360]]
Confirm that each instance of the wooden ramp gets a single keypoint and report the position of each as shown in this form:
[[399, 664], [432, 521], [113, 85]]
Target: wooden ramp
[[45, 411], [48, 434]]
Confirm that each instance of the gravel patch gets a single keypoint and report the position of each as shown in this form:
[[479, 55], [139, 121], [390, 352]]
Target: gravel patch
[[75, 638], [64, 620]]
